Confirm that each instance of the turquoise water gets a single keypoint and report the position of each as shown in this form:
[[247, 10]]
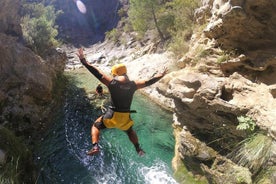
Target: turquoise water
[[61, 153]]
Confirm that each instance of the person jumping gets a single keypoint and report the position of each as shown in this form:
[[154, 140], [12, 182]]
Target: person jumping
[[118, 114]]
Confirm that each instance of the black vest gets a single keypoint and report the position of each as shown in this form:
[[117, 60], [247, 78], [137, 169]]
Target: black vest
[[121, 94]]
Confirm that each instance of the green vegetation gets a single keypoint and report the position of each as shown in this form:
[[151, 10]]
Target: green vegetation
[[144, 16], [183, 176], [113, 35], [173, 20], [38, 26], [178, 44], [201, 52], [253, 152], [226, 55], [18, 166], [246, 123], [266, 175], [223, 58], [184, 24]]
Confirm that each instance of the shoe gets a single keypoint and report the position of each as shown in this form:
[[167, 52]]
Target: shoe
[[140, 152], [93, 151]]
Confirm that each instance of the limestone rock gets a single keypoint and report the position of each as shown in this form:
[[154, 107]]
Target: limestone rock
[[225, 171], [243, 24], [27, 84], [209, 95], [193, 149]]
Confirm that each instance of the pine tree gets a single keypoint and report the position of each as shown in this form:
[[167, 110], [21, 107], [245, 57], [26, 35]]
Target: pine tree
[[143, 15]]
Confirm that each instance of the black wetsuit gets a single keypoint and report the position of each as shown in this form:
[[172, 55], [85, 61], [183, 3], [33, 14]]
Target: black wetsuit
[[118, 114], [121, 95]]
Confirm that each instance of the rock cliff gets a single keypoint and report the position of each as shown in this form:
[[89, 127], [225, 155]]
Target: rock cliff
[[231, 73], [228, 72], [27, 79], [26, 91]]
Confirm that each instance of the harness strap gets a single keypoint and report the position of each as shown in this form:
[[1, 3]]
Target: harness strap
[[122, 110]]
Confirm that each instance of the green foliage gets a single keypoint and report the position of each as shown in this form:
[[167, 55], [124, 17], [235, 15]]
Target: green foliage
[[122, 12], [146, 15], [18, 167], [246, 123], [266, 175], [182, 28], [223, 58], [113, 35], [166, 22], [172, 19], [178, 44], [183, 11], [253, 152], [140, 15], [38, 26]]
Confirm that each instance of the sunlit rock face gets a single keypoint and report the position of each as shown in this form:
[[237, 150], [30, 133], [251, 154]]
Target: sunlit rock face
[[203, 100], [246, 25], [209, 96], [246, 28]]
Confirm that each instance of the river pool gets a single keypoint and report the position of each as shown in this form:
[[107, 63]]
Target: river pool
[[61, 154]]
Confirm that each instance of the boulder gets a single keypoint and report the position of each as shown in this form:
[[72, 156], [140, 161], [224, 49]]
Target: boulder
[[27, 85]]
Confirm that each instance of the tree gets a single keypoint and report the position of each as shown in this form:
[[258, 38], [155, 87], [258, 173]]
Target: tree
[[38, 26], [183, 25], [183, 11], [143, 14]]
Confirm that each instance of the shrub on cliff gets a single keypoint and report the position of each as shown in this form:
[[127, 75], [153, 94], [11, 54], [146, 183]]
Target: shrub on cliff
[[17, 166], [145, 15], [184, 23], [38, 26], [173, 20]]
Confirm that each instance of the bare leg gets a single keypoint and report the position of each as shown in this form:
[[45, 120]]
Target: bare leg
[[95, 136], [132, 136], [134, 139]]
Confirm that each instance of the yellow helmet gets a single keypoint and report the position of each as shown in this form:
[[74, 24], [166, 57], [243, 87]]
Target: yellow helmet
[[118, 69]]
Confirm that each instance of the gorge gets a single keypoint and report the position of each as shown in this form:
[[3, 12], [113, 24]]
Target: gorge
[[227, 77]]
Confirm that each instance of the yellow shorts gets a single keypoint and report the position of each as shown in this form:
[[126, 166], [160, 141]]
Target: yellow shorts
[[120, 120]]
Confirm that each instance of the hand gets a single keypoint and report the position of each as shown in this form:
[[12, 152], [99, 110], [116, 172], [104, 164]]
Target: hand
[[80, 53], [163, 73]]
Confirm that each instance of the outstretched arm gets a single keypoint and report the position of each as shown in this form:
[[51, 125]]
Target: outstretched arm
[[145, 83], [105, 79]]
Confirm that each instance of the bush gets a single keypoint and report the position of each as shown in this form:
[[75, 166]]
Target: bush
[[253, 153], [179, 45], [183, 12], [246, 123], [18, 166], [38, 26], [113, 35]]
